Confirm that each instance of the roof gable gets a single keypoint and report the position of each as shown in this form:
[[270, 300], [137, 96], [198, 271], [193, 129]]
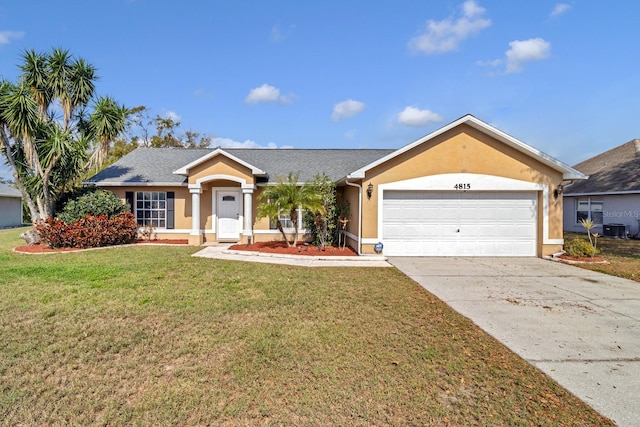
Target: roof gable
[[184, 170], [567, 171]]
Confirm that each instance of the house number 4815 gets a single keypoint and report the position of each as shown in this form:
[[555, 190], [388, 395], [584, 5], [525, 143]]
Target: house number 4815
[[462, 186]]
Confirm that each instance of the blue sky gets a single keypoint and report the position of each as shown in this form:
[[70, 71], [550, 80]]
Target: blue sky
[[560, 76]]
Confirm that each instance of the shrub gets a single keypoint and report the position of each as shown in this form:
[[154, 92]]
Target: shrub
[[93, 202], [580, 248], [323, 227], [89, 232]]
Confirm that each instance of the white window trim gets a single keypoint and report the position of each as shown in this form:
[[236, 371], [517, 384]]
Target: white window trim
[[290, 229], [135, 202], [589, 210]]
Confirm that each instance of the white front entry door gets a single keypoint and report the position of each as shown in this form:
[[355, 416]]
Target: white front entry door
[[229, 208]]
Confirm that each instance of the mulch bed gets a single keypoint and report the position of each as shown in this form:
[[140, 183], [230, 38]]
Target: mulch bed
[[280, 247], [43, 249], [586, 260]]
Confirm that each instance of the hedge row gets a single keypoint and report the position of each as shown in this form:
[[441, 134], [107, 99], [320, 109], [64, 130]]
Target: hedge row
[[88, 232]]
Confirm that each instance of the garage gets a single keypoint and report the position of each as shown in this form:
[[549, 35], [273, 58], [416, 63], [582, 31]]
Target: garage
[[459, 223]]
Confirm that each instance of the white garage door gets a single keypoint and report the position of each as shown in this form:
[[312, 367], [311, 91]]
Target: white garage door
[[430, 223]]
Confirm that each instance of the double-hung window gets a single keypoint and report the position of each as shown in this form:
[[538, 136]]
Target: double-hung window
[[151, 208], [285, 220], [589, 209]]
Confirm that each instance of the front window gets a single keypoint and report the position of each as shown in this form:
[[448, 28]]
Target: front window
[[151, 208], [589, 209], [285, 220]]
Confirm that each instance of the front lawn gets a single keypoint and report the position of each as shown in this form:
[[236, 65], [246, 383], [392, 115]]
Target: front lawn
[[152, 336], [623, 256]]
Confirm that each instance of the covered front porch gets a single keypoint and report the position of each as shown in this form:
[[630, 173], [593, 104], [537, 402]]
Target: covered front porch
[[227, 212]]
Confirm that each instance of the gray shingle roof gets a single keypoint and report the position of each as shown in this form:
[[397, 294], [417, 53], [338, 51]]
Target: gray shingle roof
[[156, 165], [8, 191], [616, 170]]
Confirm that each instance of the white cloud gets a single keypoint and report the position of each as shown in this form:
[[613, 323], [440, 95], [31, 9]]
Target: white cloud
[[172, 115], [446, 35], [412, 116], [268, 93], [7, 36], [559, 9], [248, 143], [348, 108], [522, 51], [493, 63]]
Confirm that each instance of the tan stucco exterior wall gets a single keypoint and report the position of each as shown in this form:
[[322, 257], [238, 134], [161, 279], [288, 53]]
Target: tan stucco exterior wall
[[464, 150], [220, 165], [349, 194]]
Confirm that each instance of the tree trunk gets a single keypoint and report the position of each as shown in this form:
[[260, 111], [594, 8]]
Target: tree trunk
[[284, 235], [293, 214], [26, 197]]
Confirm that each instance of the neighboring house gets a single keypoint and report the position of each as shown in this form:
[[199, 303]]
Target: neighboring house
[[10, 206], [611, 195], [465, 189]]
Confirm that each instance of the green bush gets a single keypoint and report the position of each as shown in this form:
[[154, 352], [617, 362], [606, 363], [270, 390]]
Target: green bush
[[95, 202], [580, 248]]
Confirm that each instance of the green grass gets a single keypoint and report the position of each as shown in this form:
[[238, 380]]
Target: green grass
[[623, 256], [152, 336]]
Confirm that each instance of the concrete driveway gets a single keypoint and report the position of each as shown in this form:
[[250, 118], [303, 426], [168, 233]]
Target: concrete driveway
[[579, 327]]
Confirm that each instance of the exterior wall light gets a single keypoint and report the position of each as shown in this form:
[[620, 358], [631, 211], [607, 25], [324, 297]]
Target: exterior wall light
[[369, 190], [558, 191]]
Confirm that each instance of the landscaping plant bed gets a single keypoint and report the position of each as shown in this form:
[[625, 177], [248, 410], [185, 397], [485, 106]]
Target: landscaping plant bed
[[41, 249], [582, 260], [280, 247]]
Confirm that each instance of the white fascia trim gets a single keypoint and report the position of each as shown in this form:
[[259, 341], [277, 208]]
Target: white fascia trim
[[241, 181], [218, 151], [134, 184], [607, 193], [479, 182], [568, 172]]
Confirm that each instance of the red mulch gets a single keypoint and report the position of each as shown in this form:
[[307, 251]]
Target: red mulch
[[280, 247], [578, 259], [41, 249]]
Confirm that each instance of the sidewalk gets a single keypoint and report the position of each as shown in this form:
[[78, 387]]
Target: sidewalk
[[221, 251]]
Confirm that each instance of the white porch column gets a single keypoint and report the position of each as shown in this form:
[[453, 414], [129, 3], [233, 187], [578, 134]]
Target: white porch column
[[248, 210], [196, 237]]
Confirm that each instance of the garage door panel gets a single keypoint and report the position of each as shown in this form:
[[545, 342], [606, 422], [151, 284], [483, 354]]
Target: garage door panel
[[423, 223]]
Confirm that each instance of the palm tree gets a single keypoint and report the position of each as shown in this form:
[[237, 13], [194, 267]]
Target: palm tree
[[288, 196], [45, 154], [107, 122]]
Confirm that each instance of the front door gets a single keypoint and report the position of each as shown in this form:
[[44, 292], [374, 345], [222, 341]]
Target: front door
[[228, 215]]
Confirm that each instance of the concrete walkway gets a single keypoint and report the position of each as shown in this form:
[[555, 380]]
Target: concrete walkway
[[579, 327], [221, 251]]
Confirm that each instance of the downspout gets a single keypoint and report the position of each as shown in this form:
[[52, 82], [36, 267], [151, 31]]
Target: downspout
[[359, 187]]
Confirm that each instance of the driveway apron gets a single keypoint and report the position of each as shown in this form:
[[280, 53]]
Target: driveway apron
[[580, 327]]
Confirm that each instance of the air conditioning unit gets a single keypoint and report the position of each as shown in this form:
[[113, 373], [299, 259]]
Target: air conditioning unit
[[615, 230]]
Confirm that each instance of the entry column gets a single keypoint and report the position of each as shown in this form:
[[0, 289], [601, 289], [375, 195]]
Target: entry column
[[248, 211], [195, 237]]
